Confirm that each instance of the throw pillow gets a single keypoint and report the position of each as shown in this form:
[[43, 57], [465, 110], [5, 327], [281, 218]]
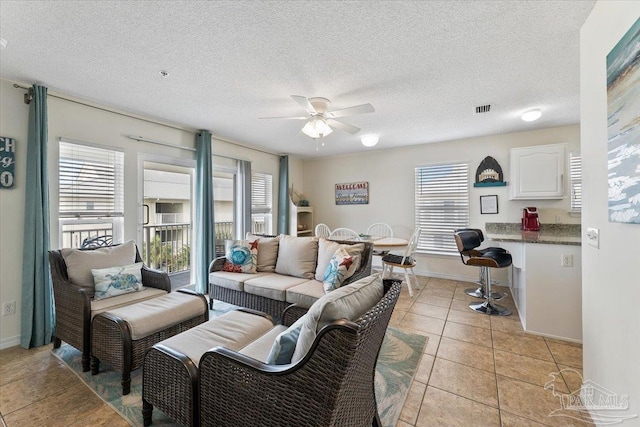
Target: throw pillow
[[348, 302], [285, 344], [242, 256], [326, 249], [340, 268], [267, 252], [80, 262], [297, 256], [113, 281]]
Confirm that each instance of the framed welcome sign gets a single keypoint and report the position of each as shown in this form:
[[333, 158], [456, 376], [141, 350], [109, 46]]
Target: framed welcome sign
[[352, 193], [7, 161]]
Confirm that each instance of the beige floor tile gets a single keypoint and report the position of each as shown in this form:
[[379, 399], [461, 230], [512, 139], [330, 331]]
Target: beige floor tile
[[438, 292], [566, 354], [470, 317], [102, 416], [13, 366], [535, 403], [432, 344], [524, 368], [441, 408], [404, 304], [434, 300], [401, 423], [511, 420], [429, 310], [523, 345], [459, 293], [396, 317], [507, 324], [424, 369], [444, 283], [411, 408], [464, 381], [573, 377], [470, 334], [423, 323], [463, 304], [473, 355]]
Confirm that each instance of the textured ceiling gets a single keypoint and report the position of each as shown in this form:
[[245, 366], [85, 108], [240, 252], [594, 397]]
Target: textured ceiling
[[423, 65]]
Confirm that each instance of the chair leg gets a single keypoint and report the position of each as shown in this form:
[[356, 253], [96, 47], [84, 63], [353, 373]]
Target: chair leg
[[407, 278], [415, 278], [57, 342], [147, 410], [488, 307], [480, 291]]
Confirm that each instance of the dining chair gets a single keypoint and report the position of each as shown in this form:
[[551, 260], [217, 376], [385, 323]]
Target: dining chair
[[344, 234], [322, 230], [406, 261], [380, 229]]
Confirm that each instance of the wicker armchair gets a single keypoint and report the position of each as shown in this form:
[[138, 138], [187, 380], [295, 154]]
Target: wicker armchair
[[73, 304], [333, 385]]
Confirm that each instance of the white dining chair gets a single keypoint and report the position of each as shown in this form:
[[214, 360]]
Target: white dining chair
[[380, 229], [405, 261], [344, 234], [322, 230]]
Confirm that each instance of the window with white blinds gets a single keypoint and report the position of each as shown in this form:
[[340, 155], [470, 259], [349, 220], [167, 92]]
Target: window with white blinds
[[442, 205], [261, 202], [575, 181], [90, 193]]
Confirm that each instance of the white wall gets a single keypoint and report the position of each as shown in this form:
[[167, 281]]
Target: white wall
[[390, 174], [610, 274], [82, 123]]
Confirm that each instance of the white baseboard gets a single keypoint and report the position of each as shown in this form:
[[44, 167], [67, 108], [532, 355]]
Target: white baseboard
[[9, 342], [454, 277]]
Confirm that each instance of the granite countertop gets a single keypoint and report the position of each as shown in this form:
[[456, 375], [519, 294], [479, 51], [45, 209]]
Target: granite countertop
[[554, 234]]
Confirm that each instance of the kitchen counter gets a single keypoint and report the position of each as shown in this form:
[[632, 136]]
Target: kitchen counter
[[553, 234]]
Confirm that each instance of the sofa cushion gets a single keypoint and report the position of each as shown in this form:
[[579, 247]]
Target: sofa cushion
[[267, 252], [112, 281], [326, 249], [260, 348], [233, 330], [100, 306], [340, 268], [234, 281], [285, 344], [306, 293], [272, 285], [80, 262], [242, 256], [297, 256], [347, 302]]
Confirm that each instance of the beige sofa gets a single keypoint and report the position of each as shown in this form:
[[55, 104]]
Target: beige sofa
[[290, 270]]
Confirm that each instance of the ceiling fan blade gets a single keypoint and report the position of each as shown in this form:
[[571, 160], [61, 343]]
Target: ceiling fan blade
[[290, 118], [342, 126], [304, 103], [358, 109]]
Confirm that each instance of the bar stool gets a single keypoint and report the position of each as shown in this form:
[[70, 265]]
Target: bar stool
[[467, 241], [479, 292]]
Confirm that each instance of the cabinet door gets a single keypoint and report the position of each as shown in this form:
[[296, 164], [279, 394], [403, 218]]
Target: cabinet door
[[537, 172]]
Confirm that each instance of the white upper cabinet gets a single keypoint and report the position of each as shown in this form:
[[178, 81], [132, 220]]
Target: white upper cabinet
[[537, 172]]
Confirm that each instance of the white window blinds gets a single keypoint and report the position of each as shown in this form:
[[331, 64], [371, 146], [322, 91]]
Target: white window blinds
[[91, 182], [442, 205], [261, 202], [575, 177]]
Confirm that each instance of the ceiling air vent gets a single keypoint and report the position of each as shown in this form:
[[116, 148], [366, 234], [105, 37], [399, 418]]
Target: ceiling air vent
[[483, 109]]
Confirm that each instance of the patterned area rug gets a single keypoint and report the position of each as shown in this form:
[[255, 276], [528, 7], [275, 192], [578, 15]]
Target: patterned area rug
[[397, 364]]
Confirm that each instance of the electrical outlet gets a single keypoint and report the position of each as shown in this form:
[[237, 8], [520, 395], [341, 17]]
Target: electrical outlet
[[567, 260], [9, 308]]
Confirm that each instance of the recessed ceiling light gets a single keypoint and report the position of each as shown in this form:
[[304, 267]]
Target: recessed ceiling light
[[3, 43], [532, 115], [164, 74], [369, 140]]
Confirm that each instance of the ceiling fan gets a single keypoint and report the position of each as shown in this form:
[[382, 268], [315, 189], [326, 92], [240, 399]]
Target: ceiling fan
[[320, 121]]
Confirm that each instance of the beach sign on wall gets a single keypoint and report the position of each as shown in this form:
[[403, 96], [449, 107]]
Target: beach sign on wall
[[7, 161]]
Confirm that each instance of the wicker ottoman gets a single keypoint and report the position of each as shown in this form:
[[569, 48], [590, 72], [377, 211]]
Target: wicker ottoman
[[120, 337]]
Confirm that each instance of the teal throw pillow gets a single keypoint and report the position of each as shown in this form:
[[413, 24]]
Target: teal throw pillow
[[340, 268], [114, 281], [242, 256], [285, 344]]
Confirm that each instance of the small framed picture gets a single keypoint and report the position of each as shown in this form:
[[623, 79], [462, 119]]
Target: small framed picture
[[489, 204]]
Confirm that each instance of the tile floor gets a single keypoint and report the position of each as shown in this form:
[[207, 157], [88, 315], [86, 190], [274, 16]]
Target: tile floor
[[476, 370]]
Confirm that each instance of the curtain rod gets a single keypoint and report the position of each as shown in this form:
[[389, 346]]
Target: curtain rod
[[28, 98]]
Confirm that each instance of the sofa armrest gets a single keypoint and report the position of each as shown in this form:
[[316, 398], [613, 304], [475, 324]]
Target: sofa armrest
[[156, 279], [217, 264], [292, 313]]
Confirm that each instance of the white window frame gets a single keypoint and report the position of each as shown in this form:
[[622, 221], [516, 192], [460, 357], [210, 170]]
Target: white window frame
[[434, 212], [267, 209], [575, 183]]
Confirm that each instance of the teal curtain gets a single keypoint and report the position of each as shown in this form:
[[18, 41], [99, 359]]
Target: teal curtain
[[205, 225], [244, 198], [36, 321], [283, 196]]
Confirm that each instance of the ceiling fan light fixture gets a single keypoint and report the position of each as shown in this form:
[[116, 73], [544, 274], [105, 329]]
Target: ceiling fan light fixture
[[369, 140], [317, 127], [532, 115]]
